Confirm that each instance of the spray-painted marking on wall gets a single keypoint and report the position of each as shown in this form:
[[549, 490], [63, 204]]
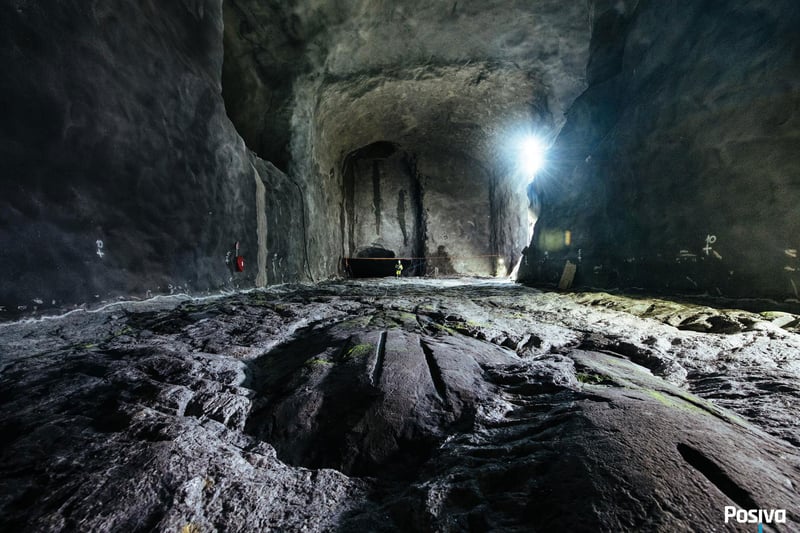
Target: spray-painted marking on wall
[[710, 239], [100, 252]]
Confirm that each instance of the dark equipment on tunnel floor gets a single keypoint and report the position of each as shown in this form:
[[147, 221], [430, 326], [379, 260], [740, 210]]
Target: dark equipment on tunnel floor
[[381, 267], [371, 262]]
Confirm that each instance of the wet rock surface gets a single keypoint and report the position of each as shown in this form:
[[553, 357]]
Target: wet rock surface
[[429, 405]]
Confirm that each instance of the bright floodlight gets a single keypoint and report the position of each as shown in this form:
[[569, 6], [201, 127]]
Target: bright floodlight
[[531, 155]]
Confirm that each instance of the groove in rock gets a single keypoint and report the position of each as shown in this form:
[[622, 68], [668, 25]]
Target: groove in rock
[[717, 477], [435, 371], [380, 354]]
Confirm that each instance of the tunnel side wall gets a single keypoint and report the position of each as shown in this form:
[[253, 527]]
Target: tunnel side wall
[[677, 170], [121, 173]]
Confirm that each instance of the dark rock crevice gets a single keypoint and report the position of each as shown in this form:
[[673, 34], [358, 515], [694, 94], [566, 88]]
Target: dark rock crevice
[[717, 476]]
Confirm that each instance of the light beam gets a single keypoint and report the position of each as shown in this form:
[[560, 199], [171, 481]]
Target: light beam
[[532, 155]]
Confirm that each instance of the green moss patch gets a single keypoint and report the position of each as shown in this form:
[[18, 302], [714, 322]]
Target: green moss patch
[[593, 379], [359, 350]]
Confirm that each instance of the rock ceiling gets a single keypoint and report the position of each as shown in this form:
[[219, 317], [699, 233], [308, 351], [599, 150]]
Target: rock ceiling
[[361, 71]]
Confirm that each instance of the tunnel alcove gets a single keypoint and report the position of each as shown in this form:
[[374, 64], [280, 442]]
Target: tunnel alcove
[[383, 212]]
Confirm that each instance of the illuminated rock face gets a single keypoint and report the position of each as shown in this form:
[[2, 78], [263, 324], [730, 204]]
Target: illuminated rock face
[[679, 163]]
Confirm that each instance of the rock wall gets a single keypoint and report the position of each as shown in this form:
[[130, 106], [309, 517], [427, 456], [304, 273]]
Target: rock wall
[[121, 173], [449, 123], [269, 46], [281, 216], [263, 54], [677, 169], [458, 215], [510, 223], [415, 206]]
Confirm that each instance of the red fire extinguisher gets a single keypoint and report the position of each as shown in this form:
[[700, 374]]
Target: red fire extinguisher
[[239, 259]]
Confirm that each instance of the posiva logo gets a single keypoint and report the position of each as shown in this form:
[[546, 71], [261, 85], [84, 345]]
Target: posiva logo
[[755, 516]]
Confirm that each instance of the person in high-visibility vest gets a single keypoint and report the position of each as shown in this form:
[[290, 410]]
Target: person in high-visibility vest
[[398, 269]]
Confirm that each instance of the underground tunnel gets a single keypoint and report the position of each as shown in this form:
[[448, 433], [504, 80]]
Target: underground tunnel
[[383, 266]]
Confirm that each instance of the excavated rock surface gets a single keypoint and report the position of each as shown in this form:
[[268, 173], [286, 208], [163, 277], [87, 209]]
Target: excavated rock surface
[[427, 405]]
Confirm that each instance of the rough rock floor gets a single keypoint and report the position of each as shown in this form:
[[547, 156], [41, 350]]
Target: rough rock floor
[[385, 405]]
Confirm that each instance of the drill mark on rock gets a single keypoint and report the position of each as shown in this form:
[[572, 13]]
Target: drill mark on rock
[[376, 195], [435, 371], [401, 215], [380, 354], [714, 473], [528, 344]]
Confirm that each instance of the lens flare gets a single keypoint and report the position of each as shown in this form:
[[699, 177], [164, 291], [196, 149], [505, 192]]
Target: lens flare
[[531, 156]]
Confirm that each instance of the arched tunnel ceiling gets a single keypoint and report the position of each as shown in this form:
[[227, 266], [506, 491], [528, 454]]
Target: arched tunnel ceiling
[[427, 110], [408, 67]]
